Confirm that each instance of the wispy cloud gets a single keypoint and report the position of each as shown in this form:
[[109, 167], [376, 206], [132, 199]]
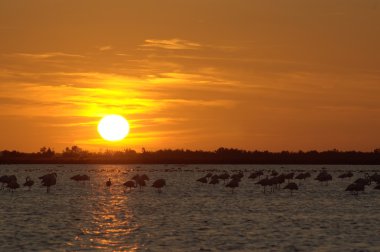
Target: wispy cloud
[[105, 48], [171, 44], [47, 55]]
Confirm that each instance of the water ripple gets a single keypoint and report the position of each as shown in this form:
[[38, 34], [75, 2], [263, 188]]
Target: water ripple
[[187, 216]]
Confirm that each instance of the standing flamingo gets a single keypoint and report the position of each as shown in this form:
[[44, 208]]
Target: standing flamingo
[[202, 180], [109, 183], [291, 186], [13, 185], [28, 182], [129, 184], [48, 180], [354, 188], [159, 183], [233, 184], [264, 182]]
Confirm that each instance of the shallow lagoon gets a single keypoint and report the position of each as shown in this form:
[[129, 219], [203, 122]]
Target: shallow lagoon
[[187, 215]]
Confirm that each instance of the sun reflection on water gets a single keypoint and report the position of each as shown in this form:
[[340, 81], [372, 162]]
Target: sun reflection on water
[[109, 221]]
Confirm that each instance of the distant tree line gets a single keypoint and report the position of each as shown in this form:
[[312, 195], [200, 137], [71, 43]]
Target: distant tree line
[[75, 154]]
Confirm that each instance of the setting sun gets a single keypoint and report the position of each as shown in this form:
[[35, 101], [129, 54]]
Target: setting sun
[[113, 127]]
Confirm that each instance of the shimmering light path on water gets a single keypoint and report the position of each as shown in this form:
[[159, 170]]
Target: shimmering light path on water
[[188, 215]]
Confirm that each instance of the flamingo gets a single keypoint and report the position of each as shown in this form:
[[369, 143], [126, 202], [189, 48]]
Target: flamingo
[[202, 180], [233, 184], [140, 180], [375, 177], [277, 181], [28, 182], [324, 176], [13, 185], [4, 180], [48, 180], [291, 186], [289, 176], [215, 176], [130, 184], [346, 175], [237, 176], [141, 183], [159, 183], [365, 181], [274, 173], [136, 177], [264, 182], [108, 183], [354, 188], [224, 176], [214, 181], [253, 175], [144, 177]]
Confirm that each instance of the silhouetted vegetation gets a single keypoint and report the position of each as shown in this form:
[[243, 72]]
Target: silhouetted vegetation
[[75, 154]]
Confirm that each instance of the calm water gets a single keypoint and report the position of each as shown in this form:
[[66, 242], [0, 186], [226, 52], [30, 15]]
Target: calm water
[[187, 216]]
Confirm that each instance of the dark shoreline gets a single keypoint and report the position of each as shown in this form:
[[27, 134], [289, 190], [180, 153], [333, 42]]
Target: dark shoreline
[[76, 155]]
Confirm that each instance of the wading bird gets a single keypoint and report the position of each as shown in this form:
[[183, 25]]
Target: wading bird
[[108, 183], [291, 186], [158, 184], [129, 184], [48, 180], [28, 182]]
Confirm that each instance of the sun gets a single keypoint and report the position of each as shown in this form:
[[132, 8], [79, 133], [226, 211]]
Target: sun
[[113, 127]]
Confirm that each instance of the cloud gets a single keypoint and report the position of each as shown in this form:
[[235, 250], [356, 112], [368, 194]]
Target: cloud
[[48, 55], [105, 48], [171, 44]]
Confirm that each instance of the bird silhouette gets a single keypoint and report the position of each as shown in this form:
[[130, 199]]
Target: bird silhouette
[[28, 182], [355, 188], [158, 184], [11, 182], [256, 174], [346, 175], [375, 177], [224, 177], [233, 184], [365, 181], [214, 181], [291, 186], [144, 177], [289, 176], [4, 180], [13, 185], [130, 184], [264, 183], [238, 176], [140, 180], [215, 176], [253, 175], [323, 176], [48, 180], [108, 183], [136, 177], [274, 173], [202, 180]]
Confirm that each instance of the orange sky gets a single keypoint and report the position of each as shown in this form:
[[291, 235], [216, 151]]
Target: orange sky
[[266, 75]]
